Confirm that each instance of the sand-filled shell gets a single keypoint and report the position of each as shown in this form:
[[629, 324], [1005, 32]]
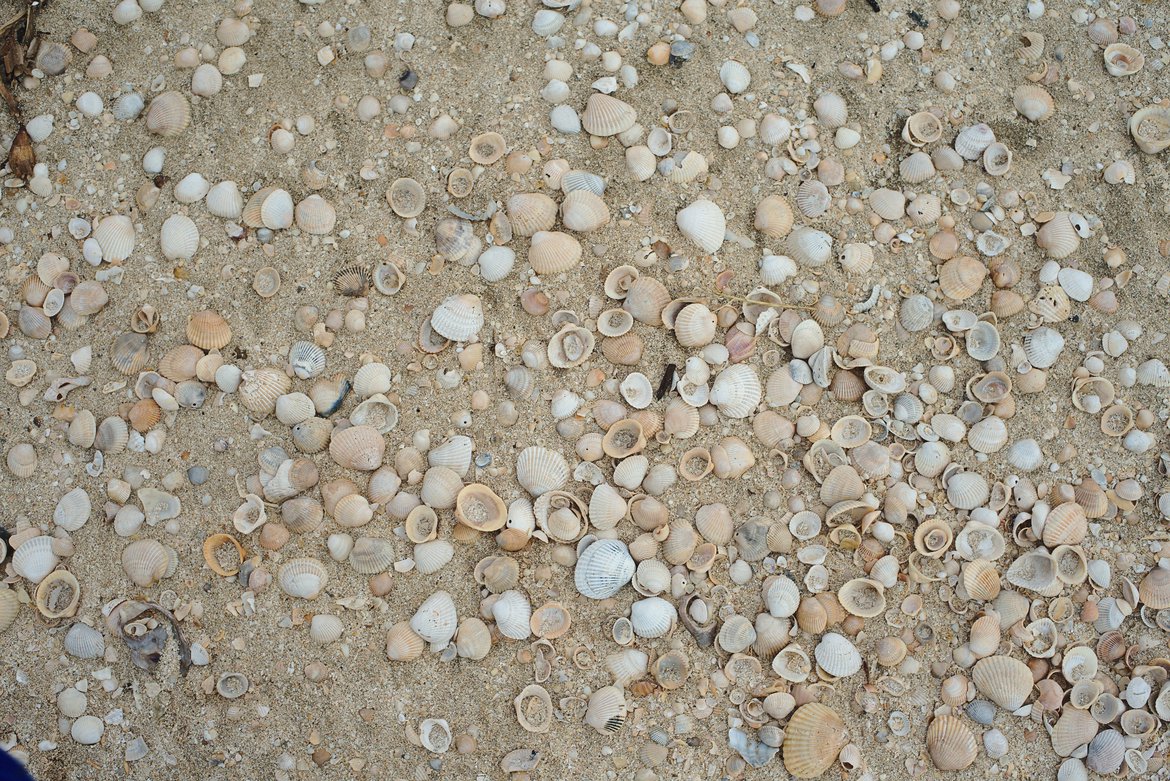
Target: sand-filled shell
[[479, 508], [406, 197], [57, 596], [813, 739], [950, 743]]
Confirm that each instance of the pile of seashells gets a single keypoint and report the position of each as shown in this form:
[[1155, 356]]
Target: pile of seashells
[[860, 469]]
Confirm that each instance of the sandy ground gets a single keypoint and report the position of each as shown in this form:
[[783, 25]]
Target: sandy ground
[[487, 76]]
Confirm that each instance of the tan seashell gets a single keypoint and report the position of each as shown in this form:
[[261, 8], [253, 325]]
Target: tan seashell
[[922, 128], [1074, 728], [314, 215], [1005, 681], [212, 547], [1058, 236], [981, 580], [22, 460], [9, 608], [624, 438], [813, 739], [540, 470], [534, 709], [570, 347], [487, 148], [862, 597], [961, 277], [774, 217], [607, 116], [582, 211], [208, 330], [371, 555], [479, 508], [553, 252], [146, 562], [1154, 591], [358, 447], [531, 213], [1066, 524], [473, 640], [1033, 102], [57, 596], [950, 743], [1150, 129], [406, 198], [169, 114], [403, 644], [550, 621], [645, 299]]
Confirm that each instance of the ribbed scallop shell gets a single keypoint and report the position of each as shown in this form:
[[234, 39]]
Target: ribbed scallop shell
[[531, 213], [358, 447], [540, 470], [917, 168], [583, 211], [208, 330], [837, 656], [169, 114], [9, 608], [606, 507], [459, 318], [737, 634], [224, 200], [1058, 237], [737, 391], [694, 325], [403, 644], [146, 562], [72, 510], [432, 556], [888, 204], [371, 555], [606, 711], [971, 141], [809, 247], [315, 215], [831, 110], [371, 379], [326, 628], [607, 116], [82, 641], [302, 578], [1003, 680], [652, 617], [179, 237], [512, 613], [473, 640], [1074, 728], [553, 252], [603, 568], [1043, 347], [115, 235], [774, 217], [641, 162], [260, 389], [813, 739], [436, 620], [34, 559], [645, 299], [1033, 102], [704, 224], [950, 743], [1066, 524]]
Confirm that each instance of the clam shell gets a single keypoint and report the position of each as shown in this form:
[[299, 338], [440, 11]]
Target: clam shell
[[862, 597], [72, 510], [325, 628], [473, 640], [403, 644], [1033, 102], [704, 224], [582, 211], [82, 641], [302, 578], [115, 235], [652, 617], [512, 613], [1005, 681], [774, 217], [837, 656], [146, 562], [737, 391], [458, 318], [314, 215], [208, 330], [479, 508], [56, 597], [435, 620], [603, 568], [606, 711], [358, 447], [950, 743], [813, 739], [179, 237], [224, 200], [539, 470], [553, 252], [607, 116], [169, 114], [1150, 129], [260, 388]]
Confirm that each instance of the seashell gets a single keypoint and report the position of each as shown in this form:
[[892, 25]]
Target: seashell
[[435, 620], [1123, 60], [651, 617], [454, 238], [325, 628], [458, 318], [88, 298], [950, 743], [376, 412], [553, 252], [56, 596], [531, 213], [973, 140], [583, 211], [302, 578], [1066, 524], [1074, 728], [115, 235], [224, 200], [645, 299], [1154, 591], [603, 568], [534, 709], [352, 281], [570, 347], [455, 454], [312, 435], [1058, 237], [961, 277], [737, 634], [627, 666], [487, 148], [607, 116], [403, 644], [1005, 681], [440, 487], [606, 712], [314, 215], [1153, 373], [434, 735], [641, 162], [81, 641], [550, 621], [306, 359], [809, 247], [917, 168], [372, 379], [512, 613], [72, 510], [1043, 347], [146, 562], [495, 263], [737, 391], [703, 224], [842, 484], [831, 110], [967, 490], [406, 197], [207, 330], [774, 217], [111, 436], [169, 114], [472, 640], [179, 238], [260, 388], [614, 323], [813, 739], [922, 128], [888, 204], [540, 470], [211, 554], [1150, 128], [87, 730], [812, 198], [479, 508], [1033, 102], [862, 597], [837, 656]]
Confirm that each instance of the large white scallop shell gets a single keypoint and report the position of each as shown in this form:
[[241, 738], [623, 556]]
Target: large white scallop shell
[[603, 568], [704, 224]]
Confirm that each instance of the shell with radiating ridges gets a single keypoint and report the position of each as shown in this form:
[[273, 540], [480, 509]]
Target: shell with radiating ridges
[[540, 470], [302, 578], [435, 620], [603, 568], [950, 743], [704, 224], [813, 739], [1003, 680], [607, 116], [737, 391]]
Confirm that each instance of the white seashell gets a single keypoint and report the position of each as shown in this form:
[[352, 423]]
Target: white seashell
[[115, 236], [455, 454], [432, 556], [496, 262], [434, 734], [1043, 347], [72, 510], [809, 247], [325, 628], [372, 378], [306, 359], [735, 77], [704, 224], [973, 140], [35, 559], [179, 237], [1153, 372], [607, 116], [837, 656], [540, 470], [603, 568], [637, 390], [191, 188], [458, 318], [1025, 455], [276, 211], [302, 578], [512, 613], [224, 200], [1077, 284], [831, 110], [652, 617], [436, 620], [737, 391]]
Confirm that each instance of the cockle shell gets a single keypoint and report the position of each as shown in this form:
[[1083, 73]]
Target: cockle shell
[[950, 743], [403, 644], [813, 739], [539, 470], [737, 391], [458, 318], [603, 568], [179, 237], [837, 656], [512, 613], [607, 116], [606, 712], [169, 114], [435, 620], [704, 224], [146, 562], [553, 252], [1150, 128], [303, 578], [1003, 680]]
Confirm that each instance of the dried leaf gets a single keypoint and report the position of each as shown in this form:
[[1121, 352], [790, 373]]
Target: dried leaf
[[21, 156]]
